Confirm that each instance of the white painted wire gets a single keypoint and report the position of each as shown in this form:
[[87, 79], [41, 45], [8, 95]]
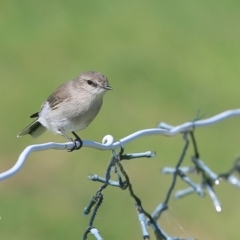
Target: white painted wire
[[108, 141]]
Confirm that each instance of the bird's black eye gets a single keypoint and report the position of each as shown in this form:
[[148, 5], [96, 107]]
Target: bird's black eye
[[89, 82]]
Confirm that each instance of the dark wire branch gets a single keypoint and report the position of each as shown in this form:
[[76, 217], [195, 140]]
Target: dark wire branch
[[98, 198], [127, 184], [176, 172], [158, 233], [164, 206], [194, 143]]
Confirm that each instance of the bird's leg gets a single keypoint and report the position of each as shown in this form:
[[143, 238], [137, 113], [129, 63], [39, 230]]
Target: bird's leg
[[77, 139], [71, 140], [64, 135]]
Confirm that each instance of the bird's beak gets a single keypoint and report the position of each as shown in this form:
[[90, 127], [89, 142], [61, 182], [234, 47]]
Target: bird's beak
[[107, 87]]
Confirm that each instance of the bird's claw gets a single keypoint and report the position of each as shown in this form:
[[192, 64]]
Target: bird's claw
[[75, 147]]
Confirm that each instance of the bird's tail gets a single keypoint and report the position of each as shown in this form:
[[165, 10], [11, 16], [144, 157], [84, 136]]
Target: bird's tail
[[35, 129]]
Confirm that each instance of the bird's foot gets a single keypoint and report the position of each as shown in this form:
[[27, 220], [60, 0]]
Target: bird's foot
[[76, 141]]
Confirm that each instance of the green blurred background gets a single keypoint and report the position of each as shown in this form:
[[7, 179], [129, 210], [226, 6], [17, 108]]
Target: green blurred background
[[165, 61]]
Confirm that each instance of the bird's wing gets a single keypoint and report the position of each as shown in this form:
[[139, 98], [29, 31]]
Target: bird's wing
[[62, 94]]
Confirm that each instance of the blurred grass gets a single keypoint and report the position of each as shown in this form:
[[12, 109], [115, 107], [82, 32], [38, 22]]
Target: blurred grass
[[165, 60]]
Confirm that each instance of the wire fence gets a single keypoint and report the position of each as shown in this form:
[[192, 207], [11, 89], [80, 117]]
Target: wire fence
[[206, 186]]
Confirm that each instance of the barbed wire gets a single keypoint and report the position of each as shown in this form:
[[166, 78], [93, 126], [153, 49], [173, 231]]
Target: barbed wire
[[208, 177]]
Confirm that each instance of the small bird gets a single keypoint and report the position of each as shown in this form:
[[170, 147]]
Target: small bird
[[72, 107]]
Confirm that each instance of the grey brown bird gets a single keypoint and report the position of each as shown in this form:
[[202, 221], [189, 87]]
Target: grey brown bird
[[72, 107]]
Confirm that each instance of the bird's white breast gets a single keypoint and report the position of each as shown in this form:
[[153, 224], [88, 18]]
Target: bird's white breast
[[69, 116]]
